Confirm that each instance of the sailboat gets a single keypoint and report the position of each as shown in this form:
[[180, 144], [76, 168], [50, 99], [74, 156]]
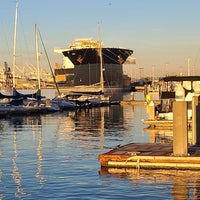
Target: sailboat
[[87, 94], [16, 97], [105, 100], [33, 104], [24, 104], [16, 94], [59, 101], [47, 106], [99, 99]]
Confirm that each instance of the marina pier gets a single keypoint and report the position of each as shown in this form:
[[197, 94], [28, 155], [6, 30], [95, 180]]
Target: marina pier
[[176, 155]]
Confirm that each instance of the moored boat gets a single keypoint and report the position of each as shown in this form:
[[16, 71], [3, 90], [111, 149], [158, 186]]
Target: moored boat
[[8, 109], [173, 88], [63, 103]]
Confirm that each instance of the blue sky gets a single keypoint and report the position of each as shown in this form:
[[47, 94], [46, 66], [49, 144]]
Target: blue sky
[[163, 34]]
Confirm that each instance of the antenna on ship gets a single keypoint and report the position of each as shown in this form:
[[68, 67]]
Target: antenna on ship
[[101, 60]]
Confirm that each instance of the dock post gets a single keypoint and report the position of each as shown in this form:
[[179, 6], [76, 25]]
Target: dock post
[[194, 119], [180, 138], [151, 110], [132, 96], [197, 122]]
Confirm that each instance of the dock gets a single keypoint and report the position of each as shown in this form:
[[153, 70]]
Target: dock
[[179, 154], [137, 102], [150, 156], [133, 102], [162, 123]]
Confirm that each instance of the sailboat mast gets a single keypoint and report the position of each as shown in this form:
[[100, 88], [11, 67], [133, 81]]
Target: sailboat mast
[[101, 60], [14, 46], [37, 56], [49, 63]]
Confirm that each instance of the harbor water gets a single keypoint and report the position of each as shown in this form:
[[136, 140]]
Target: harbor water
[[55, 156]]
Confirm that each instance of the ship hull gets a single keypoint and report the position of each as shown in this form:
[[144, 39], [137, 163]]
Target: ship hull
[[89, 75], [92, 55], [87, 70]]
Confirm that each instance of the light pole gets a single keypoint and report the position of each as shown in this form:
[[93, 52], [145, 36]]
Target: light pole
[[166, 67], [188, 66], [140, 68]]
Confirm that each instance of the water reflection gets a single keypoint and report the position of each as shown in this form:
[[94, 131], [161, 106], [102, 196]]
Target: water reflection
[[40, 157], [17, 124], [16, 174], [83, 126], [164, 135], [183, 184], [114, 122], [43, 147]]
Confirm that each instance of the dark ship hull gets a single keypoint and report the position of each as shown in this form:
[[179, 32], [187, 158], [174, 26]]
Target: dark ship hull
[[86, 71], [89, 75], [92, 55]]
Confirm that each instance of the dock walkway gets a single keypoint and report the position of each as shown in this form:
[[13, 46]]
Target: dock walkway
[[150, 156]]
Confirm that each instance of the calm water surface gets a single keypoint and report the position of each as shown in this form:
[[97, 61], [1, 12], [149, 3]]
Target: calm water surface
[[55, 156]]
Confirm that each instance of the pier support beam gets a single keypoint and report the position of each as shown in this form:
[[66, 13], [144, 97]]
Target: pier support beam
[[194, 119], [197, 122], [180, 138]]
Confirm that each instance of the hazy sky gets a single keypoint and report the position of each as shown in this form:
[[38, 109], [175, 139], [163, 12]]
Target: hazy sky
[[163, 34]]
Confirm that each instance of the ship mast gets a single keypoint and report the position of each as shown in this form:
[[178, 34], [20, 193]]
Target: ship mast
[[101, 60], [14, 46]]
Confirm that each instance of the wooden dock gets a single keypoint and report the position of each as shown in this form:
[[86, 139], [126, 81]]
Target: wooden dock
[[150, 156], [162, 123], [133, 102], [178, 154], [137, 102]]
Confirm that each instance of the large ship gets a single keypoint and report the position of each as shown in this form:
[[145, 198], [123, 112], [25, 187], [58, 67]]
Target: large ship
[[90, 61]]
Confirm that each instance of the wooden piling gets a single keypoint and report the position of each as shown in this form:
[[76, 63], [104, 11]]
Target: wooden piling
[[194, 119], [198, 122], [180, 140], [151, 110]]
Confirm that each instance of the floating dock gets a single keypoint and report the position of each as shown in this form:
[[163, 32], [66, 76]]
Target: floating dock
[[137, 102], [162, 123], [178, 154], [150, 156], [133, 102], [158, 123]]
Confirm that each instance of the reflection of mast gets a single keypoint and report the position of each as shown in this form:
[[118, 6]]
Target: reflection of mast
[[102, 130], [16, 175], [40, 158]]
